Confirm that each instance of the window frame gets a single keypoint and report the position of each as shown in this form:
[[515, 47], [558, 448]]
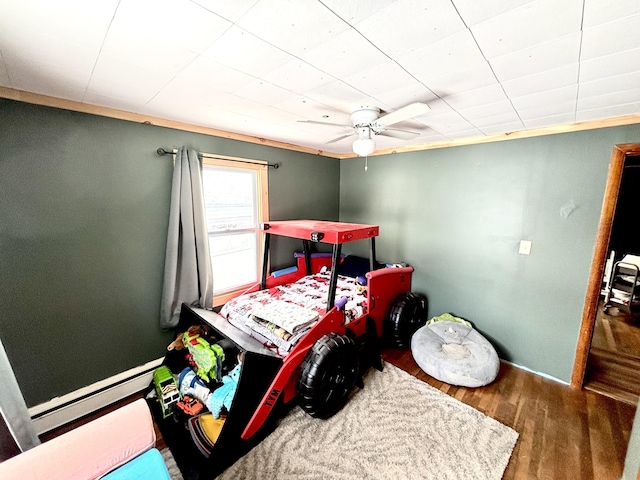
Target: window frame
[[261, 169]]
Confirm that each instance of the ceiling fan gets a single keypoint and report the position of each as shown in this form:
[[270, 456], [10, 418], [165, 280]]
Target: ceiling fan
[[367, 122]]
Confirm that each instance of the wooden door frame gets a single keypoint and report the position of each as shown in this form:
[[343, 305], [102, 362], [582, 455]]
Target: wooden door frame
[[616, 167]]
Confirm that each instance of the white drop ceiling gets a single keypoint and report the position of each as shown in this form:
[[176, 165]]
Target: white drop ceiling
[[257, 67]]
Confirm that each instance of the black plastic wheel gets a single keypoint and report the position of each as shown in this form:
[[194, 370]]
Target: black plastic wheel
[[327, 375], [408, 312]]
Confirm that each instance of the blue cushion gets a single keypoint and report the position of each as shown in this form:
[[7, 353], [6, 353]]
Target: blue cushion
[[148, 466]]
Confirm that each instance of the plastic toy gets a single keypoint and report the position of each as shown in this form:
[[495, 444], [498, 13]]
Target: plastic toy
[[166, 390], [189, 405], [207, 358]]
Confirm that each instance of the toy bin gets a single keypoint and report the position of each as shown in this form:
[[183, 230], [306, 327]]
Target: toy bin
[[259, 366]]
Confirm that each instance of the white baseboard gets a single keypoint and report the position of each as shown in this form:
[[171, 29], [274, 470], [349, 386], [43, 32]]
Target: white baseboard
[[536, 373], [61, 410]]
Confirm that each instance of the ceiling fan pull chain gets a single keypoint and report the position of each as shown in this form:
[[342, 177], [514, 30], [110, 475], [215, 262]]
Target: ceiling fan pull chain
[[366, 163]]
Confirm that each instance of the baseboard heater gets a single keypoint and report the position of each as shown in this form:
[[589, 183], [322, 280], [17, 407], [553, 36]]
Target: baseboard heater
[[67, 408]]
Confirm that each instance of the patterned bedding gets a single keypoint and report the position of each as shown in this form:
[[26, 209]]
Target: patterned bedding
[[309, 292]]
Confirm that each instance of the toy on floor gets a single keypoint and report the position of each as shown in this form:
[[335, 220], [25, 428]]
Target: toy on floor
[[189, 405], [207, 358], [166, 389]]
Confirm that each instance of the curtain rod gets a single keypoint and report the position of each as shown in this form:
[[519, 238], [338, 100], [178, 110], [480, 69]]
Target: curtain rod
[[161, 151]]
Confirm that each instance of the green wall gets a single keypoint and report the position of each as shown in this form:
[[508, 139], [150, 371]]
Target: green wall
[[84, 206], [457, 216]]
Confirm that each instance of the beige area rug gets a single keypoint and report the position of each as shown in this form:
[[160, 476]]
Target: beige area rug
[[174, 471], [397, 427]]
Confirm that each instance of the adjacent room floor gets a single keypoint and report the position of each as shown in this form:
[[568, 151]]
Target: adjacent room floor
[[613, 368]]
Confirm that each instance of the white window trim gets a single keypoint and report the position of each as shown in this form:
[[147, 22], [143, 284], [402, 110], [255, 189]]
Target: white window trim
[[262, 187]]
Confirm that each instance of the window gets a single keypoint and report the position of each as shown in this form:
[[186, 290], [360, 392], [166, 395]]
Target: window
[[235, 196]]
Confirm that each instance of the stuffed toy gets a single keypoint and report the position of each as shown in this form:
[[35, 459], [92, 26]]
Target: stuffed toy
[[223, 395]]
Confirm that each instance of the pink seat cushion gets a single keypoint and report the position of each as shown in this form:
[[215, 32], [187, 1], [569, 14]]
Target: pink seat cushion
[[89, 451]]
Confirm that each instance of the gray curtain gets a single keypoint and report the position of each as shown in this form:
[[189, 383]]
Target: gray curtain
[[187, 268]]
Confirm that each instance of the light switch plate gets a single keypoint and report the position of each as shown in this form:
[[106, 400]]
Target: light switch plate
[[525, 247]]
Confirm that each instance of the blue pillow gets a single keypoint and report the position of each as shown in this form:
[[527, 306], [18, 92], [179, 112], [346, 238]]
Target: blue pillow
[[148, 466], [354, 266]]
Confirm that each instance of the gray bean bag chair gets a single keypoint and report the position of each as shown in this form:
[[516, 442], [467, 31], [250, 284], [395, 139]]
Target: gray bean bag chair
[[450, 350]]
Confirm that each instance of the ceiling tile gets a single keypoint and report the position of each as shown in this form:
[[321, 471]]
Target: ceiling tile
[[429, 137], [22, 46], [531, 24], [447, 122], [610, 65], [180, 23], [298, 76], [231, 11], [337, 55], [340, 96], [545, 56], [354, 11], [548, 110], [182, 91], [610, 38], [608, 85], [459, 81], [60, 19], [48, 79], [307, 109], [429, 21], [468, 133], [386, 77], [562, 119], [502, 107], [136, 88], [242, 51], [444, 56], [474, 98], [262, 91], [414, 92], [115, 69], [503, 128], [216, 75], [119, 103], [597, 12], [608, 112], [549, 97], [473, 11], [147, 53], [504, 118], [612, 99], [292, 25], [543, 81]]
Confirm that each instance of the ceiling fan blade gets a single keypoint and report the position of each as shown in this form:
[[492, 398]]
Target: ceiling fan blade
[[402, 134], [339, 138], [404, 113], [326, 123]]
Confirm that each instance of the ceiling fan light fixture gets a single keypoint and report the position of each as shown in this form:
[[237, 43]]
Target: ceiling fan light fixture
[[364, 146]]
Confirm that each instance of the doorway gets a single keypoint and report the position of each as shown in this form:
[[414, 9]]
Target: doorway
[[602, 363]]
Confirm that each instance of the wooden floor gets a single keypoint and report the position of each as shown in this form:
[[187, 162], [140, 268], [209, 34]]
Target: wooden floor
[[613, 367], [564, 433]]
